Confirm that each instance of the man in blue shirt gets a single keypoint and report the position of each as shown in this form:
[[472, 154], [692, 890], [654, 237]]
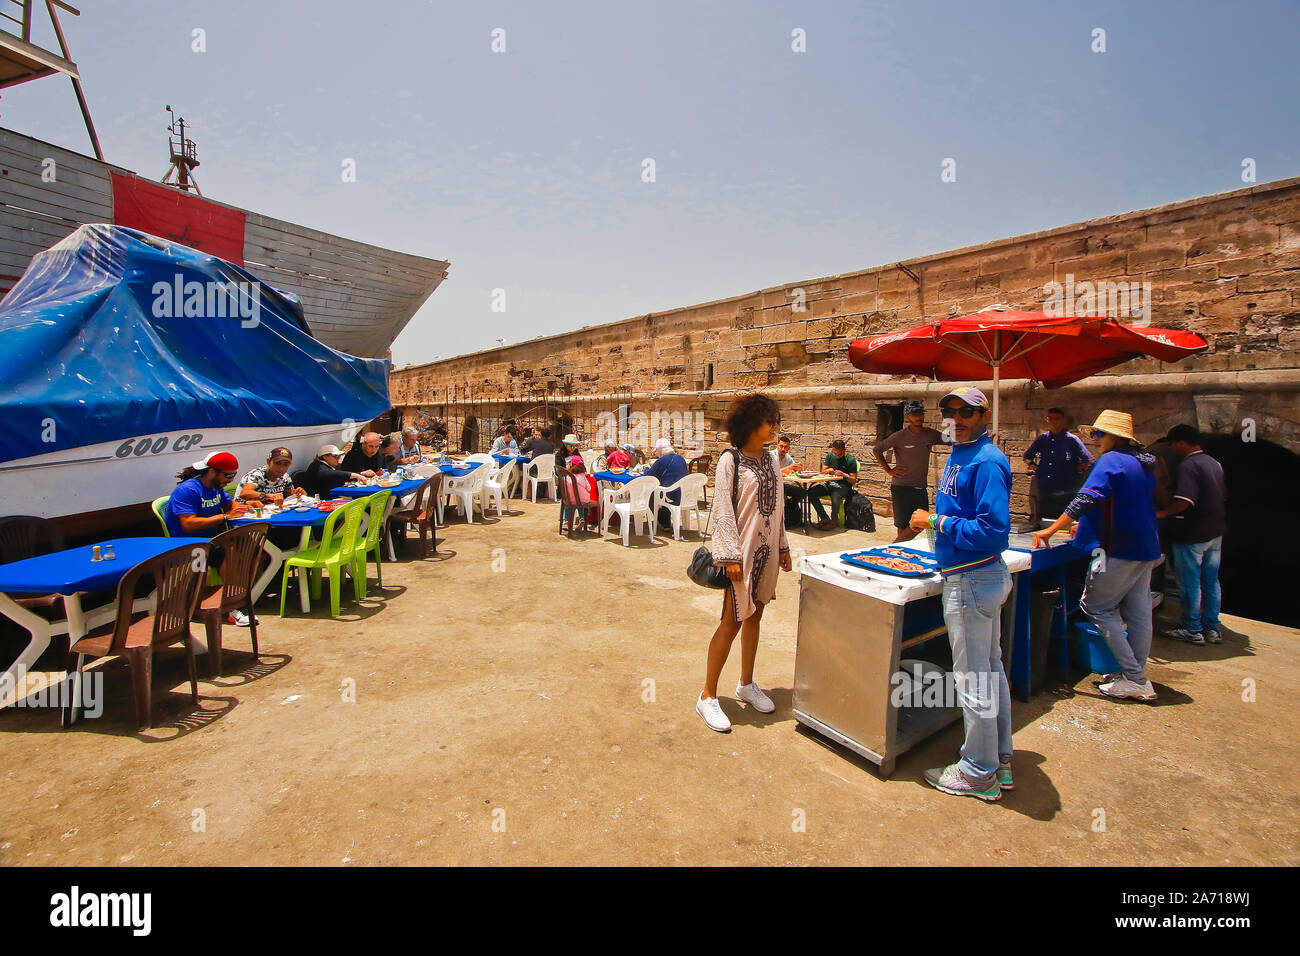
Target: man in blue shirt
[[669, 468], [971, 521], [198, 506], [1056, 458], [1116, 510]]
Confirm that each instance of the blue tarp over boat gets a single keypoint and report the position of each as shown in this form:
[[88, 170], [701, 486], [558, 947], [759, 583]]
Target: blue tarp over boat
[[113, 333]]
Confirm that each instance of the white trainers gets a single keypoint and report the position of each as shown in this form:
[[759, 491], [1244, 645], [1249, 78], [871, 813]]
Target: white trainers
[[240, 619], [712, 713], [1123, 687], [753, 695]]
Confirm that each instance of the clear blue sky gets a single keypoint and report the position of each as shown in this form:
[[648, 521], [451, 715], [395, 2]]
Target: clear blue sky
[[524, 168]]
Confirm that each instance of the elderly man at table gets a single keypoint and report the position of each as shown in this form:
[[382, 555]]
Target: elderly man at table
[[408, 451], [199, 505], [844, 467], [1116, 512], [971, 521], [909, 476], [669, 468], [270, 483], [324, 472], [365, 458]]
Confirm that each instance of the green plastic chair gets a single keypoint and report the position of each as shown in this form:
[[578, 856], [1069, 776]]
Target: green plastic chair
[[160, 512], [373, 540], [333, 554]]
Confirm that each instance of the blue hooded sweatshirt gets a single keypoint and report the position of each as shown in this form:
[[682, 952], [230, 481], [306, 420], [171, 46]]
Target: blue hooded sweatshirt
[[974, 504], [1116, 507]]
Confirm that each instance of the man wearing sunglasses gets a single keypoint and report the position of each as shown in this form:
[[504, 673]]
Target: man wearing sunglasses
[[199, 504], [971, 521]]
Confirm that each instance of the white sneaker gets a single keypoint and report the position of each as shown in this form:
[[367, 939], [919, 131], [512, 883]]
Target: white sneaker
[[712, 713], [1123, 687], [239, 619], [753, 695]]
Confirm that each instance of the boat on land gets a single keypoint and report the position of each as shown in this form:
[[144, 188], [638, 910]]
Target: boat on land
[[126, 358]]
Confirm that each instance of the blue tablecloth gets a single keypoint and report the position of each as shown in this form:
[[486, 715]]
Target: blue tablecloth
[[70, 571], [313, 518], [458, 471], [399, 491], [502, 459], [616, 477]]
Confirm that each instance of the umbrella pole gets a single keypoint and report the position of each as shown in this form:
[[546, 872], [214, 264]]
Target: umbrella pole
[[997, 370]]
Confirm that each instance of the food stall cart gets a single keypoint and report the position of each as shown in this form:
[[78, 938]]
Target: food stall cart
[[854, 627]]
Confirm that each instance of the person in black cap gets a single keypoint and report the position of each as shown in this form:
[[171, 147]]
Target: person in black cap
[[1199, 522], [909, 476], [270, 482]]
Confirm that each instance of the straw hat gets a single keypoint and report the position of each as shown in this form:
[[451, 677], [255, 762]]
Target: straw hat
[[1115, 423]]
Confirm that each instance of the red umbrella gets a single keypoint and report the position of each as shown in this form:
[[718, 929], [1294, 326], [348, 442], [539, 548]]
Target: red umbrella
[[1054, 350]]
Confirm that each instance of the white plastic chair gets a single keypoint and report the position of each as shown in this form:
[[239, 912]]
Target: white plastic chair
[[496, 485], [481, 456], [465, 491], [540, 471], [635, 507], [589, 458], [691, 488]]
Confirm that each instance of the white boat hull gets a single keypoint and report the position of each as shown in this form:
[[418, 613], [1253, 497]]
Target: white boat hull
[[124, 472]]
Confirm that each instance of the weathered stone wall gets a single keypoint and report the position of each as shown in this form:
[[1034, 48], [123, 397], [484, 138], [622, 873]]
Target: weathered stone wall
[[1226, 267]]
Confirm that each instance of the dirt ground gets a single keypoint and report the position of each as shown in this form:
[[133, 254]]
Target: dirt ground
[[503, 714]]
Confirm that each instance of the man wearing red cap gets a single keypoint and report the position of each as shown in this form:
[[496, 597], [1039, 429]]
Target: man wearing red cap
[[199, 505]]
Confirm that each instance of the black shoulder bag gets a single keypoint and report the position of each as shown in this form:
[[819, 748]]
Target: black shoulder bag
[[702, 570]]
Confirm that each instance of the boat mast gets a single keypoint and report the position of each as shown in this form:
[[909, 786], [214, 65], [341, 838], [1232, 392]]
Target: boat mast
[[185, 156]]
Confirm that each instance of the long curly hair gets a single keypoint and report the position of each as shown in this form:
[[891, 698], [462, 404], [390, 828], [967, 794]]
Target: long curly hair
[[748, 412]]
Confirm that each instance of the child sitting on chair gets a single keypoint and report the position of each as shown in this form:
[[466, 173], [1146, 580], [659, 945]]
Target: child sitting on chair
[[588, 493]]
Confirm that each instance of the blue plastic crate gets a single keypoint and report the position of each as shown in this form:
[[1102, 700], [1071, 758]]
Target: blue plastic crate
[[1089, 649]]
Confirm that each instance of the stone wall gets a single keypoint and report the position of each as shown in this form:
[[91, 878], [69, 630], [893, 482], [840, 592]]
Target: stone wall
[[1226, 267]]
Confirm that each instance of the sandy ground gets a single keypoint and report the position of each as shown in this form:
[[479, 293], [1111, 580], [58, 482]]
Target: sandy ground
[[502, 715]]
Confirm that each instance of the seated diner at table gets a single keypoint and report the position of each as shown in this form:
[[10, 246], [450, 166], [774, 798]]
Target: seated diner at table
[[539, 444], [270, 483], [408, 451], [616, 457], [588, 492], [198, 506], [365, 457], [325, 473], [670, 468], [506, 443]]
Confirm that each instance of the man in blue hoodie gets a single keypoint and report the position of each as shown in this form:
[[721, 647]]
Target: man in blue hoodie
[[1116, 511], [971, 520]]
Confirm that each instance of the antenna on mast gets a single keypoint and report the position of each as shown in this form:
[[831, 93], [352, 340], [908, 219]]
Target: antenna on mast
[[185, 156]]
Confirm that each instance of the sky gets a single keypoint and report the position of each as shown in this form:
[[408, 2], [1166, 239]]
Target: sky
[[526, 168]]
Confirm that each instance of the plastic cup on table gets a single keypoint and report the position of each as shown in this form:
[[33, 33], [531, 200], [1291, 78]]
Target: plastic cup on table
[[929, 536]]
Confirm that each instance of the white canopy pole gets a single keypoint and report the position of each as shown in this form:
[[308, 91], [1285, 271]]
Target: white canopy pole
[[997, 375]]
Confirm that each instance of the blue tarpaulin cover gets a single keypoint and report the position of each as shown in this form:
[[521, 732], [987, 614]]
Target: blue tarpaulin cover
[[114, 333]]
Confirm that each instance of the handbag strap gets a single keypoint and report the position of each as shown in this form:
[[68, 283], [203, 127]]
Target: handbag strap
[[735, 485]]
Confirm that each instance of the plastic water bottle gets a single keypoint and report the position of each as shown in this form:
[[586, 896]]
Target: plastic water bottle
[[109, 553]]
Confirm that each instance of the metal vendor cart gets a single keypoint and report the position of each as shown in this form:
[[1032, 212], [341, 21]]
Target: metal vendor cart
[[854, 626]]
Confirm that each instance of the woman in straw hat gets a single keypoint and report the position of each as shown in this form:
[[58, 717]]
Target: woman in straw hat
[[1116, 512]]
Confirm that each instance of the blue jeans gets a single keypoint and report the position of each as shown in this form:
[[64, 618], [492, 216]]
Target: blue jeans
[[972, 610], [1117, 597], [1197, 566]]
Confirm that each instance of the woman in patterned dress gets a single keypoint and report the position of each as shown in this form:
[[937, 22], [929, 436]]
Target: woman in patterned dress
[[749, 541]]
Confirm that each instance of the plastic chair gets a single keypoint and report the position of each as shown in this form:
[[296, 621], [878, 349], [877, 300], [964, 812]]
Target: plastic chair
[[571, 506], [239, 568], [496, 485], [691, 487], [378, 505], [465, 491], [588, 458], [637, 506], [540, 471], [481, 456], [160, 512], [422, 511], [700, 466], [177, 579], [333, 554]]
